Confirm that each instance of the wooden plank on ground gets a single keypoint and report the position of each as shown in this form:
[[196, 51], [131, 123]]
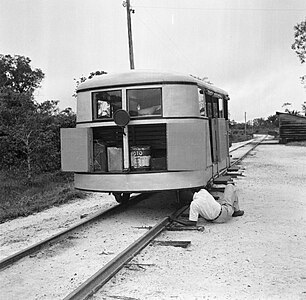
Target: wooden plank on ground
[[185, 228], [234, 174], [182, 244], [233, 169], [223, 180]]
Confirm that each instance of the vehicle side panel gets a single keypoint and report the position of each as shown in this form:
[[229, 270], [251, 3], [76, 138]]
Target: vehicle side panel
[[76, 149], [186, 144], [84, 107]]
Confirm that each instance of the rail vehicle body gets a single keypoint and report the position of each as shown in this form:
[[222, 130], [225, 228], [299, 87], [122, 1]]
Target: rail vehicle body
[[144, 131]]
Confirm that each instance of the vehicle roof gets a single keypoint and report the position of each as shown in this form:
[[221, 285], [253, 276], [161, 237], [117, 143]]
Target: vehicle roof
[[140, 77]]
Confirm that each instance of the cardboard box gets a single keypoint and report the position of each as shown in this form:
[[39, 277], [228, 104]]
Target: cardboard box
[[100, 163], [114, 159]]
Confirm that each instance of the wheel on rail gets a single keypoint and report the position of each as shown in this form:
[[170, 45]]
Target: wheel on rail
[[122, 197]]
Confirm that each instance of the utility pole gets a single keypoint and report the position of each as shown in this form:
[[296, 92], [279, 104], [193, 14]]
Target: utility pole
[[131, 52]]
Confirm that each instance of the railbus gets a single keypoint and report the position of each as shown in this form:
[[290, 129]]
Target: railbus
[[144, 131]]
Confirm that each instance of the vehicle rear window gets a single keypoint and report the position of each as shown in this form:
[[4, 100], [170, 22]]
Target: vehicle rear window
[[144, 102], [106, 103]]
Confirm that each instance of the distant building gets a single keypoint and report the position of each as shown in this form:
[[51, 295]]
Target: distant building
[[291, 127]]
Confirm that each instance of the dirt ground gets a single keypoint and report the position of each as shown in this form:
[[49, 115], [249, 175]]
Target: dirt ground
[[258, 256]]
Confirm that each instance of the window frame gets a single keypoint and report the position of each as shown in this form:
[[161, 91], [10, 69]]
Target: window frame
[[202, 102], [145, 88], [95, 104], [225, 105], [221, 108]]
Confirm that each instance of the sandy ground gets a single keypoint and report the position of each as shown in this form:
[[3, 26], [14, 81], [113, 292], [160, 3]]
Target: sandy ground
[[258, 256], [55, 271], [22, 232]]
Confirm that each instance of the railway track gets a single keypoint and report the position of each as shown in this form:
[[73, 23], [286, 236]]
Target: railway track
[[96, 281], [108, 271], [116, 209], [253, 144], [61, 235]]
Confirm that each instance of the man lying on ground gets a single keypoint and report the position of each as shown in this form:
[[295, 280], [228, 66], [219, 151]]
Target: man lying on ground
[[217, 211]]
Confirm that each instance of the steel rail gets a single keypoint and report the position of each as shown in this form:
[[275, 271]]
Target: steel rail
[[101, 277], [221, 173], [245, 154], [247, 143], [59, 236], [96, 281]]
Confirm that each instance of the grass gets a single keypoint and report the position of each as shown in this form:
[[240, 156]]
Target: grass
[[238, 136], [21, 198]]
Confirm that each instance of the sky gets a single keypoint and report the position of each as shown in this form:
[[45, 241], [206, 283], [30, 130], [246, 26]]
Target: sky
[[242, 46]]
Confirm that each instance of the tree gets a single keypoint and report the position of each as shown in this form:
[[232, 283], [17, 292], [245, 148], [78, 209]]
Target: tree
[[14, 112], [287, 110], [83, 79], [299, 45], [31, 139], [29, 131], [259, 122], [304, 108], [273, 121], [16, 74]]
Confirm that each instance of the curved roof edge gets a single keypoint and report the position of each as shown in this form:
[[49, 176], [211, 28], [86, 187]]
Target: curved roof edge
[[134, 77], [212, 88]]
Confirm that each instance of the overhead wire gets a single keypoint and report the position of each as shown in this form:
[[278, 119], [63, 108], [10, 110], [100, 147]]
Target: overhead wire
[[162, 32], [220, 9]]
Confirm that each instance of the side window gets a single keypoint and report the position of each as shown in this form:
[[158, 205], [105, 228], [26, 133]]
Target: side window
[[144, 102], [225, 109], [202, 104], [215, 107], [209, 111], [221, 108], [106, 103]]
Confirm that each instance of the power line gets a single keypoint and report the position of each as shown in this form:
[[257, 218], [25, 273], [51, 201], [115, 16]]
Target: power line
[[159, 36], [220, 9]]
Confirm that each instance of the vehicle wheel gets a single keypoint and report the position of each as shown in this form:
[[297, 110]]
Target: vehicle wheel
[[122, 197]]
